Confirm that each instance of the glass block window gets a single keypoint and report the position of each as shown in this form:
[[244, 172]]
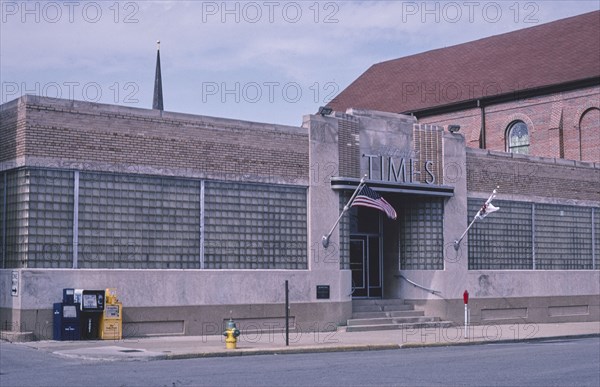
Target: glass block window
[[517, 138], [38, 220], [17, 212], [563, 237], [254, 226], [421, 227], [16, 218], [596, 212], [50, 219], [138, 222], [502, 240], [3, 176]]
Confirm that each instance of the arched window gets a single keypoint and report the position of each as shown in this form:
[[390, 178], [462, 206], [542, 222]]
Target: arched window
[[517, 138], [589, 132]]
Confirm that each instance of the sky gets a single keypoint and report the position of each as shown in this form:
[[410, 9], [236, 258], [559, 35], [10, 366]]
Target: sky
[[264, 61]]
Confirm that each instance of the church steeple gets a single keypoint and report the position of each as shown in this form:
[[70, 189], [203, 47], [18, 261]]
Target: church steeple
[[157, 102]]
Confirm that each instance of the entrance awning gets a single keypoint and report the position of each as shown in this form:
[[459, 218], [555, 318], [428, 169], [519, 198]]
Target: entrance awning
[[350, 183]]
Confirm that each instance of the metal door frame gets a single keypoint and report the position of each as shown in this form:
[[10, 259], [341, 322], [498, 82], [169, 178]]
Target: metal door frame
[[366, 258]]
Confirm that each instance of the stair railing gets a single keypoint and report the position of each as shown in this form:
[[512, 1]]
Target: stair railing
[[436, 292]]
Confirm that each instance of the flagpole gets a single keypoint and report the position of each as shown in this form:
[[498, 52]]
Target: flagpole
[[457, 242], [325, 239], [492, 196]]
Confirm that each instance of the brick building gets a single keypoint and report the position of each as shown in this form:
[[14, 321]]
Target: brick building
[[534, 91], [197, 219]]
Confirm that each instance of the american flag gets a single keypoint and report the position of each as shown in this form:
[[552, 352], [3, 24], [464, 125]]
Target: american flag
[[368, 198]]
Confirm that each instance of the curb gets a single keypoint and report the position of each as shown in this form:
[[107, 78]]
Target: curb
[[283, 351], [367, 347], [502, 341]]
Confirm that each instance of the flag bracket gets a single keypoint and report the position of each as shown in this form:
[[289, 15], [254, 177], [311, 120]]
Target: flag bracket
[[480, 215], [325, 238]]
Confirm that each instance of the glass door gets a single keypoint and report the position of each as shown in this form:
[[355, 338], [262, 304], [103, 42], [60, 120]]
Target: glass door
[[365, 264]]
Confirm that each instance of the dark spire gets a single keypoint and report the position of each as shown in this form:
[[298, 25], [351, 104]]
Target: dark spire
[[157, 102]]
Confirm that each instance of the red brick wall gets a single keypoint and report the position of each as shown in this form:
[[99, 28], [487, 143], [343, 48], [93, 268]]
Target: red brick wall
[[469, 121], [88, 133], [524, 175], [547, 117]]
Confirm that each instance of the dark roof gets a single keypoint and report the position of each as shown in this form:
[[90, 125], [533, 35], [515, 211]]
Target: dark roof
[[556, 53]]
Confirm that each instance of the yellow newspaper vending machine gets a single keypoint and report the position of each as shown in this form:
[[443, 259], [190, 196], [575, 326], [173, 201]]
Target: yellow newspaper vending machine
[[111, 323]]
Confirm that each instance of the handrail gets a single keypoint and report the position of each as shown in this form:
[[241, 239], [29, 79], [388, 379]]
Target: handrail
[[417, 285]]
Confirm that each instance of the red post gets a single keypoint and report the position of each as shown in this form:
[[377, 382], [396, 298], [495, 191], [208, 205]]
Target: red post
[[466, 300]]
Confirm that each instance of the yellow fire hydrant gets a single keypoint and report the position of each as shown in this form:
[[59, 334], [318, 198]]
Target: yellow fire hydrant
[[231, 333]]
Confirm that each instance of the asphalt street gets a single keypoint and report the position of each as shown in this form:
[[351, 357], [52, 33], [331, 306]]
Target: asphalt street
[[574, 362]]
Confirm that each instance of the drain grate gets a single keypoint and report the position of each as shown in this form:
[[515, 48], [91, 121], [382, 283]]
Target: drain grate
[[130, 350]]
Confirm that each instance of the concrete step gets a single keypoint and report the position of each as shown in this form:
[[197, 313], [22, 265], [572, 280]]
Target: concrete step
[[366, 308], [371, 314], [391, 320], [406, 313], [399, 313], [370, 321], [388, 314], [377, 301], [408, 320], [381, 308], [398, 308], [380, 305], [384, 327]]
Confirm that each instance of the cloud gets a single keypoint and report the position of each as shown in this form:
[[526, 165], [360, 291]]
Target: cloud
[[310, 43]]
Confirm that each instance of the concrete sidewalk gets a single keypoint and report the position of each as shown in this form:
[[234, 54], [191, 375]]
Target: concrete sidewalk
[[183, 347]]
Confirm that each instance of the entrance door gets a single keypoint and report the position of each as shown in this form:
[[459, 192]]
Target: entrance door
[[365, 264]]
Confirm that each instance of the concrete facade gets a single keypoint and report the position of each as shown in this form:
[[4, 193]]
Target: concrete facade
[[497, 295], [237, 253]]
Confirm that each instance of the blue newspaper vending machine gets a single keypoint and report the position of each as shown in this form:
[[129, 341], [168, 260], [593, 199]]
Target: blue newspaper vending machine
[[67, 318]]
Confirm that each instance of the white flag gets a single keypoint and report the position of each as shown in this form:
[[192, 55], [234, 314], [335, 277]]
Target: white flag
[[487, 209]]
